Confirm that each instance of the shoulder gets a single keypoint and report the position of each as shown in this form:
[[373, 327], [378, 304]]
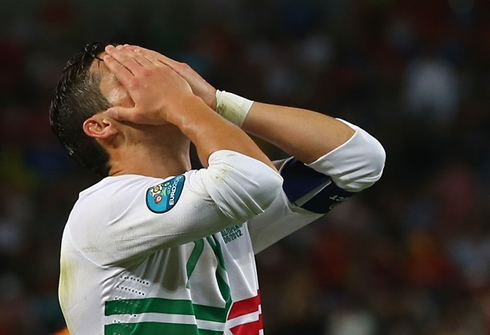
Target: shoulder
[[112, 197], [118, 213], [124, 188]]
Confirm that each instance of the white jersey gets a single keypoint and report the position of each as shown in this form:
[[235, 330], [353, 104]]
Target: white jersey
[[144, 256]]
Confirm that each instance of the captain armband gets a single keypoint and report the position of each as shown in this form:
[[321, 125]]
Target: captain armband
[[310, 189], [232, 107]]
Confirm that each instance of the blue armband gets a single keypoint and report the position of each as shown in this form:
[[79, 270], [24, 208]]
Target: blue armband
[[310, 189]]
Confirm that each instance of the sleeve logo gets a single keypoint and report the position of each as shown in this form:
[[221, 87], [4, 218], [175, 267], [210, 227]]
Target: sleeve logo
[[162, 197]]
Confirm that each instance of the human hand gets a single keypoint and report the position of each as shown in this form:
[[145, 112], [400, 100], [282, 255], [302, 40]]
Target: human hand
[[199, 85], [156, 89]]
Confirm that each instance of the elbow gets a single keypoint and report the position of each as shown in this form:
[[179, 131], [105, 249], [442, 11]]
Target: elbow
[[242, 187], [355, 165], [377, 160], [259, 194], [256, 196], [373, 167], [366, 166], [269, 189]]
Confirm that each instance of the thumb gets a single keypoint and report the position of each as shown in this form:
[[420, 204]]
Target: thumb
[[120, 113]]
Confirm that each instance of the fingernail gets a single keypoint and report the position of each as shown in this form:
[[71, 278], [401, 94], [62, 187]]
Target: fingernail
[[119, 47]]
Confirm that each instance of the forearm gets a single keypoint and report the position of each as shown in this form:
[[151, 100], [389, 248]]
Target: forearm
[[301, 133], [209, 132], [349, 155]]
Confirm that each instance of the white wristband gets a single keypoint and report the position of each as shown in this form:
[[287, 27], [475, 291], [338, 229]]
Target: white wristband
[[232, 107]]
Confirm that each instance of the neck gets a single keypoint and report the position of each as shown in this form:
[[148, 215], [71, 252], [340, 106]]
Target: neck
[[152, 156]]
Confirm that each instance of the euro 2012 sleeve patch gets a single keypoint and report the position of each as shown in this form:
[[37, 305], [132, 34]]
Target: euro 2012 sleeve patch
[[162, 197]]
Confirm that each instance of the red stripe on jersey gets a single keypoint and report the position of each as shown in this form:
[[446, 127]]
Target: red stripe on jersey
[[251, 328], [245, 306]]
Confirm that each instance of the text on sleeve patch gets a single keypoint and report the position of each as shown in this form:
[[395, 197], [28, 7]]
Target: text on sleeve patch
[[162, 197]]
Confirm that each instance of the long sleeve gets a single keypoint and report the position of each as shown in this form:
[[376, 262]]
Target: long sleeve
[[130, 216], [355, 165], [309, 191]]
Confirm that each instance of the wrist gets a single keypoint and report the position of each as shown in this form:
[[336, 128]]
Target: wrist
[[213, 102], [188, 111], [232, 107]]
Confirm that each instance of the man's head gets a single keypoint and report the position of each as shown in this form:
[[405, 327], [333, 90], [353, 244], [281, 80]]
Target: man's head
[[76, 98], [86, 90]]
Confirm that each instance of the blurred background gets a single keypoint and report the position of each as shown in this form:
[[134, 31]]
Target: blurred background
[[411, 255]]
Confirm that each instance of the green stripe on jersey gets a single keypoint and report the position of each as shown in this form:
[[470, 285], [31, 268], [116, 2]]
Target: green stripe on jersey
[[193, 258], [217, 251], [156, 328], [166, 306]]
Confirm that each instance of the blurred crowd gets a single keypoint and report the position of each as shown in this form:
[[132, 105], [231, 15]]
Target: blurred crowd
[[409, 256]]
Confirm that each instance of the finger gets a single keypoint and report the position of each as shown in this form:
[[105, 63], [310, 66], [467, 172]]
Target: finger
[[143, 60], [121, 113], [120, 71], [124, 57], [181, 68], [146, 62], [147, 58], [158, 56]]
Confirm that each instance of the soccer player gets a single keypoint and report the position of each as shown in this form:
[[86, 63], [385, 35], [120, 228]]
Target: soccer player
[[158, 248]]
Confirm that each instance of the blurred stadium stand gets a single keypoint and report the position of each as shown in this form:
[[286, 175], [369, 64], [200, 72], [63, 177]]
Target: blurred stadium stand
[[409, 256]]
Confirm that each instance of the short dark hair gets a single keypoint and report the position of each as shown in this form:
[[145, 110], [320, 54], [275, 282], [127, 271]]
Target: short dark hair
[[77, 97]]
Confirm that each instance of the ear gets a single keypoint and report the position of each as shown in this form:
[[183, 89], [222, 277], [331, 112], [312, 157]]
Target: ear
[[99, 126]]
